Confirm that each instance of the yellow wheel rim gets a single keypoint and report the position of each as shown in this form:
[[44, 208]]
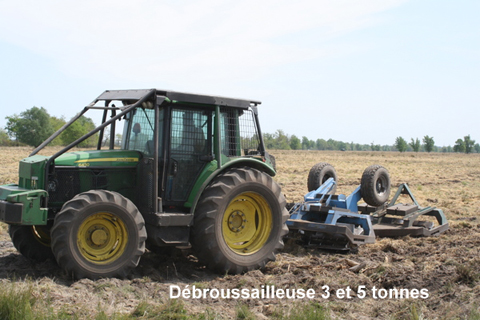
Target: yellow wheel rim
[[102, 238], [247, 223], [42, 235]]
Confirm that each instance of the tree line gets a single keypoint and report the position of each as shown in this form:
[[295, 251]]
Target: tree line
[[467, 145], [35, 125], [281, 140]]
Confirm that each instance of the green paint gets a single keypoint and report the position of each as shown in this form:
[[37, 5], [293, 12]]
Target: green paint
[[32, 178], [211, 170], [31, 172], [9, 189], [207, 173], [99, 158], [32, 212]]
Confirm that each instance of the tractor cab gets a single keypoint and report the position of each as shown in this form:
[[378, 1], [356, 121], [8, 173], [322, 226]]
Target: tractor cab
[[183, 139]]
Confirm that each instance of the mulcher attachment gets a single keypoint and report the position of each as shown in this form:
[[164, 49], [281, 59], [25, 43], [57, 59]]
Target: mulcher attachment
[[328, 221], [398, 219]]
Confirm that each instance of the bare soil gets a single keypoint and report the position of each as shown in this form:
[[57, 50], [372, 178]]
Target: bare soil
[[448, 266]]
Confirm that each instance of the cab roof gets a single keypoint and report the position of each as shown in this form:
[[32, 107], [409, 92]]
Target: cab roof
[[175, 96]]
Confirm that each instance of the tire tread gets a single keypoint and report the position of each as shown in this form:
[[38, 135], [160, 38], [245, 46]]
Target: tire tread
[[203, 235], [65, 218]]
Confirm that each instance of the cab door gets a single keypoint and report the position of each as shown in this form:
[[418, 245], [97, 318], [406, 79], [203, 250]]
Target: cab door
[[190, 149], [139, 135]]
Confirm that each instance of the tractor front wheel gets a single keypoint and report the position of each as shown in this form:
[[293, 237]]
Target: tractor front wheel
[[239, 221], [98, 234], [33, 242]]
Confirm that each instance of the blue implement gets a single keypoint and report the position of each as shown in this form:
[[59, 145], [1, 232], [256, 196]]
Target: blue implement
[[331, 221], [338, 222]]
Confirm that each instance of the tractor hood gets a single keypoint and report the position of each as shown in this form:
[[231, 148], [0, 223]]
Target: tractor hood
[[32, 169], [99, 158]]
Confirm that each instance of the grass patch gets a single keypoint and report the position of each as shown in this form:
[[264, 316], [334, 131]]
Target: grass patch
[[243, 313], [241, 283], [467, 274], [474, 314], [208, 314], [311, 311], [172, 310], [17, 303], [415, 315]]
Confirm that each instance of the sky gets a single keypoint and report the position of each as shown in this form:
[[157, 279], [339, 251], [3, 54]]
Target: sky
[[355, 71]]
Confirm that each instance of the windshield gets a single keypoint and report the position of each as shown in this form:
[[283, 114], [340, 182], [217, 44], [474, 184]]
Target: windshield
[[138, 134]]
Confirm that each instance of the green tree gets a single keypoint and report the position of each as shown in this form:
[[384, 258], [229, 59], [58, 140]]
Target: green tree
[[269, 140], [477, 148], [119, 137], [321, 144], [305, 143], [278, 140], [342, 146], [295, 143], [79, 128], [5, 139], [31, 127], [331, 144], [429, 143], [401, 144], [415, 144], [57, 123], [459, 146], [281, 139], [469, 144]]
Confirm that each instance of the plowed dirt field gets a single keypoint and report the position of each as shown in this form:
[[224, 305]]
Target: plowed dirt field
[[446, 267]]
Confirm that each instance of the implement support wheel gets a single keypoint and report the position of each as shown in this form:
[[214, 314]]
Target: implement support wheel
[[320, 173], [239, 221], [98, 234], [375, 185]]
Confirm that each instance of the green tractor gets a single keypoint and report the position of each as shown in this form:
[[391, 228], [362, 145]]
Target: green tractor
[[191, 170]]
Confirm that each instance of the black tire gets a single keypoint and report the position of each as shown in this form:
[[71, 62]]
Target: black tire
[[239, 222], [320, 173], [33, 242], [98, 234], [375, 185]]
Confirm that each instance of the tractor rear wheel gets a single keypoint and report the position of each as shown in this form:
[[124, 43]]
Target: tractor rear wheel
[[375, 185], [239, 221], [320, 173], [98, 234], [33, 242]]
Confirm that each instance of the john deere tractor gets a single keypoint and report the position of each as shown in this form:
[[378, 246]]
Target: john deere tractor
[[191, 170]]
